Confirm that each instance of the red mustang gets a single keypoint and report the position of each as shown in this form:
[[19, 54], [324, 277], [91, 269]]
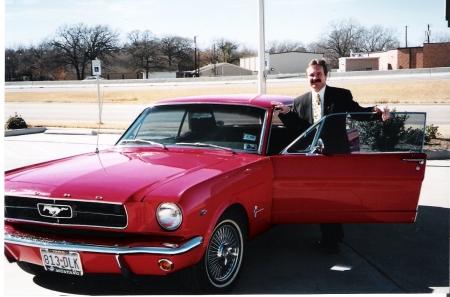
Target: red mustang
[[192, 179]]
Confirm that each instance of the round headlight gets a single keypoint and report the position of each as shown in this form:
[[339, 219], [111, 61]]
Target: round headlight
[[169, 216]]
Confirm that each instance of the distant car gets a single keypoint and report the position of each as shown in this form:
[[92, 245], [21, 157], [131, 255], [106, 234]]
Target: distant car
[[93, 78], [192, 179]]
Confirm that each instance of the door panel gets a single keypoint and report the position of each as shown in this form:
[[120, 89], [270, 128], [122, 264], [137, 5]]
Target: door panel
[[351, 168], [347, 188]]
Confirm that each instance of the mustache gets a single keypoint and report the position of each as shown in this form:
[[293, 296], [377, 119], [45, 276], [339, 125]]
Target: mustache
[[315, 80]]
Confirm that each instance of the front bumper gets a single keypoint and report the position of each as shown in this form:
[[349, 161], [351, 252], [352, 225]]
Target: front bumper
[[97, 258], [33, 241]]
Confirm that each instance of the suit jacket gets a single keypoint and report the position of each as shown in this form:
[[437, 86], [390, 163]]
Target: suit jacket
[[334, 133]]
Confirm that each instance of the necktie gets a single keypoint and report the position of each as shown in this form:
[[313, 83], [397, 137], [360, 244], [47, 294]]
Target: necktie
[[317, 110]]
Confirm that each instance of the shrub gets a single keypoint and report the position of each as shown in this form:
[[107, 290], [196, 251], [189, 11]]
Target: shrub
[[15, 122], [431, 132], [383, 136]]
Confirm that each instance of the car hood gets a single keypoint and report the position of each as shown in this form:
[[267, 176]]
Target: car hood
[[111, 175]]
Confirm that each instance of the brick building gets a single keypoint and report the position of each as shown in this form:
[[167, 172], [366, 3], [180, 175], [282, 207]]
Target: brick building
[[430, 55]]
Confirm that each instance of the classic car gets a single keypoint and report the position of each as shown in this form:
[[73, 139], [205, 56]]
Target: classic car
[[193, 179]]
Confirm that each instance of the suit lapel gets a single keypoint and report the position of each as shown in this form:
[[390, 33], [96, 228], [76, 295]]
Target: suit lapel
[[328, 103]]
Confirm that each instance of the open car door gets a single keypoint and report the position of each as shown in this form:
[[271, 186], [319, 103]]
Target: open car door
[[377, 178]]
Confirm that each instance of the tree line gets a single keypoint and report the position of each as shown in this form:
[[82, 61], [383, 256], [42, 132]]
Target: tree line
[[72, 48]]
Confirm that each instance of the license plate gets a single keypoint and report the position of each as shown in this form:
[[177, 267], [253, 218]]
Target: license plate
[[62, 261]]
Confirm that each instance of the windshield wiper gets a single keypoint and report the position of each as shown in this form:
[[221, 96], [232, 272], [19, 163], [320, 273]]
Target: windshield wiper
[[201, 144], [137, 140]]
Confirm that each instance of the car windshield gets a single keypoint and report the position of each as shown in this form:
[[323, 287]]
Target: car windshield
[[216, 126]]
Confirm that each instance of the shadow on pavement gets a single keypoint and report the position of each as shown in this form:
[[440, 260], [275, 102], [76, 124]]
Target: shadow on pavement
[[374, 258]]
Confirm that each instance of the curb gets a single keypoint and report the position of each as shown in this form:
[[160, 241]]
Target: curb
[[25, 131], [82, 131], [438, 155], [60, 131], [431, 155]]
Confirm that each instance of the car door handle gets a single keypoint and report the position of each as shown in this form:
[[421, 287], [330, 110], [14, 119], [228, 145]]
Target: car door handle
[[420, 161]]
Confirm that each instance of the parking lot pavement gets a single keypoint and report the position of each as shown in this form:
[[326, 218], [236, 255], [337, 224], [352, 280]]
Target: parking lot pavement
[[374, 258]]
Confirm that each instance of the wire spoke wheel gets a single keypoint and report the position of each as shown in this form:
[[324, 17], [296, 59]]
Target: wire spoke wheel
[[221, 264], [223, 257], [224, 253]]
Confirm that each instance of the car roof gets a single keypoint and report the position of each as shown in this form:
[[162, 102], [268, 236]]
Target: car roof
[[244, 99]]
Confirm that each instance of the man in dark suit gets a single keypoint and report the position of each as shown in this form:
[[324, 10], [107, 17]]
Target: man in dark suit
[[323, 100]]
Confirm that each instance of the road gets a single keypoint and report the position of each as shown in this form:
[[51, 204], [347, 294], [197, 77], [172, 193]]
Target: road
[[124, 114], [375, 258]]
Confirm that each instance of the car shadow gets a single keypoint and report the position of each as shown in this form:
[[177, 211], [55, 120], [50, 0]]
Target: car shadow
[[374, 258]]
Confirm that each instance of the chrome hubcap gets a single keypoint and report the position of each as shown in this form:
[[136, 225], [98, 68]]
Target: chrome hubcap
[[223, 253]]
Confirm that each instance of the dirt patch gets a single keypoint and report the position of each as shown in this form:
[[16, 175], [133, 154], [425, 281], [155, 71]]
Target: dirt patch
[[415, 92], [438, 144]]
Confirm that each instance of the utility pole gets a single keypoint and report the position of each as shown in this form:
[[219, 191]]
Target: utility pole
[[195, 55], [261, 49], [428, 33], [214, 57], [406, 36]]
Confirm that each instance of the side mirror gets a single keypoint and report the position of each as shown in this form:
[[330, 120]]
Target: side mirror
[[318, 149]]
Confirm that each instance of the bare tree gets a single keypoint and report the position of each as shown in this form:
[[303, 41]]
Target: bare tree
[[101, 42], [143, 49], [212, 54], [247, 52], [440, 37], [343, 36], [41, 64], [339, 38], [377, 38], [227, 51], [11, 64], [286, 46], [76, 45], [176, 51]]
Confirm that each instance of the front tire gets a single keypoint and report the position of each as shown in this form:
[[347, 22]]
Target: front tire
[[219, 269]]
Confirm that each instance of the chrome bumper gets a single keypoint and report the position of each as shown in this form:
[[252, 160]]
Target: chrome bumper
[[32, 241]]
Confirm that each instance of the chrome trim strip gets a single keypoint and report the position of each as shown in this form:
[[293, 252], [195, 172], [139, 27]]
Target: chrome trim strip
[[420, 161], [57, 199], [66, 225], [30, 241]]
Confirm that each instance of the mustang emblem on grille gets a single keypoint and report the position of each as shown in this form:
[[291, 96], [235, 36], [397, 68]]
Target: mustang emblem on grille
[[55, 210]]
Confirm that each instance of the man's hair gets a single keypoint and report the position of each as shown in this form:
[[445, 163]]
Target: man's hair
[[320, 62]]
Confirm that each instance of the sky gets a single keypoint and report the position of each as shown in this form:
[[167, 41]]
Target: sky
[[29, 22]]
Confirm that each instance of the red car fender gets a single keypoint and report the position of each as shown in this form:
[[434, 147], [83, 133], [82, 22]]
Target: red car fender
[[250, 188]]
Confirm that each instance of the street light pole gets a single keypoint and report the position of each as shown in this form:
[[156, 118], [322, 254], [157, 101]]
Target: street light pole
[[406, 36], [261, 49], [195, 55]]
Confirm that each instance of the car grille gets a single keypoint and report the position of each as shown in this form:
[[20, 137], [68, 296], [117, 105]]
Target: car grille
[[65, 212]]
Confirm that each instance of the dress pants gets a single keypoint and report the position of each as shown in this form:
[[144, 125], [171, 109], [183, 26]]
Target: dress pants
[[332, 234]]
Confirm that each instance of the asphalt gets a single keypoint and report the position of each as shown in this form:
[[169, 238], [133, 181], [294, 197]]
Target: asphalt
[[431, 155]]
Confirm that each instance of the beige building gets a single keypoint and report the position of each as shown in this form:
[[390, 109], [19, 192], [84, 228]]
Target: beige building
[[223, 69], [292, 62]]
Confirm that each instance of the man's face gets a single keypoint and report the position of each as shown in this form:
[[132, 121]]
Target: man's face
[[316, 76]]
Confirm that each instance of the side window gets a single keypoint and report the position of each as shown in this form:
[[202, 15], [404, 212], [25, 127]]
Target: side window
[[402, 132], [306, 142], [362, 133], [280, 135]]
